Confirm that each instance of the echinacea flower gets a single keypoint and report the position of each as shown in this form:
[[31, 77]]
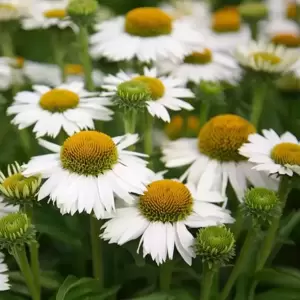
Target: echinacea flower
[[88, 170], [68, 106], [145, 33], [214, 157], [161, 215], [164, 91], [272, 153]]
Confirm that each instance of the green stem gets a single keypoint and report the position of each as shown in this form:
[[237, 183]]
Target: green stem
[[240, 263], [165, 276], [238, 224], [21, 258], [96, 245], [7, 44], [204, 111], [148, 135], [59, 54], [83, 37], [129, 121], [268, 243], [254, 29], [207, 282], [258, 103]]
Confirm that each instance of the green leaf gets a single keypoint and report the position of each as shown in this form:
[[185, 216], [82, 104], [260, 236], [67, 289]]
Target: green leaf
[[65, 287], [156, 296], [279, 294]]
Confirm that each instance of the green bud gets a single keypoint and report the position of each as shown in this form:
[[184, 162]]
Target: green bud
[[82, 11], [252, 12], [211, 87], [288, 83], [215, 245]]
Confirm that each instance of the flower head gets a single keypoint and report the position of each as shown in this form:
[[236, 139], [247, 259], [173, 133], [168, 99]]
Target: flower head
[[82, 12]]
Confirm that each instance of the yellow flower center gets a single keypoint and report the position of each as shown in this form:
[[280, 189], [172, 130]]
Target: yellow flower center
[[74, 69], [19, 62], [155, 86], [166, 201], [222, 136], [287, 39], [199, 58], [89, 153], [55, 13], [148, 22], [286, 153], [226, 20], [59, 100], [266, 57], [17, 182], [291, 10], [8, 7]]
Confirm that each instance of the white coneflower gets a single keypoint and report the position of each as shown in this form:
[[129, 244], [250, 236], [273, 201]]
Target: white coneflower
[[68, 106], [13, 10]]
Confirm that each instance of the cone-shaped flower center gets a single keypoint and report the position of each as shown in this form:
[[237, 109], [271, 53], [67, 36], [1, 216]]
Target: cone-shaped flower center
[[222, 136], [199, 58], [8, 7], [287, 39], [227, 20], [286, 153], [55, 13], [291, 10], [14, 226], [166, 201], [147, 22], [89, 153], [17, 183], [19, 62], [266, 57], [74, 69], [156, 87], [59, 100]]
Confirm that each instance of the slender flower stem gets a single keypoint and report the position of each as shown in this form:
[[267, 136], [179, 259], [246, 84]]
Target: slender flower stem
[[204, 111], [130, 121], [259, 97], [7, 44], [21, 258], [268, 243], [254, 29], [83, 37], [59, 54], [165, 276], [207, 282], [96, 245], [148, 135], [240, 263]]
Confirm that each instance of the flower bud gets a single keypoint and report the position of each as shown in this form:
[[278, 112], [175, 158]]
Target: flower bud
[[253, 12], [82, 11]]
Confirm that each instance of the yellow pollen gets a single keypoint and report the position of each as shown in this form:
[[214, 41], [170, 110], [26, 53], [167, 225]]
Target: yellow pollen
[[89, 153], [222, 136], [59, 100], [74, 69], [155, 86], [287, 39], [291, 10], [266, 57], [55, 13], [199, 58], [18, 182], [166, 201], [286, 153], [226, 20], [148, 22]]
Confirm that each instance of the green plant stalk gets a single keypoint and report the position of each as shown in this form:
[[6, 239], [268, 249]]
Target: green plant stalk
[[96, 244], [83, 38], [130, 124], [254, 29], [21, 258], [7, 44], [240, 263], [165, 276], [207, 282], [148, 135], [204, 111], [259, 97], [59, 54], [269, 241]]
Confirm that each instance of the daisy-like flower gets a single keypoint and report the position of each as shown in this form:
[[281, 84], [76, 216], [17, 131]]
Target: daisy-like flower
[[4, 285], [88, 170], [145, 33], [48, 13], [11, 72], [164, 91], [164, 211], [68, 106], [214, 156], [272, 153], [12, 10], [266, 57], [208, 65]]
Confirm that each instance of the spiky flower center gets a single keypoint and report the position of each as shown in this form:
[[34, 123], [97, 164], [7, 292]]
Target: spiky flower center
[[156, 87], [286, 153], [17, 182], [74, 69], [222, 136], [261, 198], [89, 153], [291, 11], [14, 226], [166, 201], [287, 39], [55, 13], [199, 58], [59, 100], [148, 22], [227, 20], [267, 57], [8, 7]]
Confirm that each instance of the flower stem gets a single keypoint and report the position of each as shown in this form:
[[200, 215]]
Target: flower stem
[[129, 121], [207, 282], [59, 54], [239, 264], [148, 147], [165, 276], [7, 44], [21, 258], [83, 37], [254, 29], [268, 243], [96, 245], [204, 111], [259, 97]]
